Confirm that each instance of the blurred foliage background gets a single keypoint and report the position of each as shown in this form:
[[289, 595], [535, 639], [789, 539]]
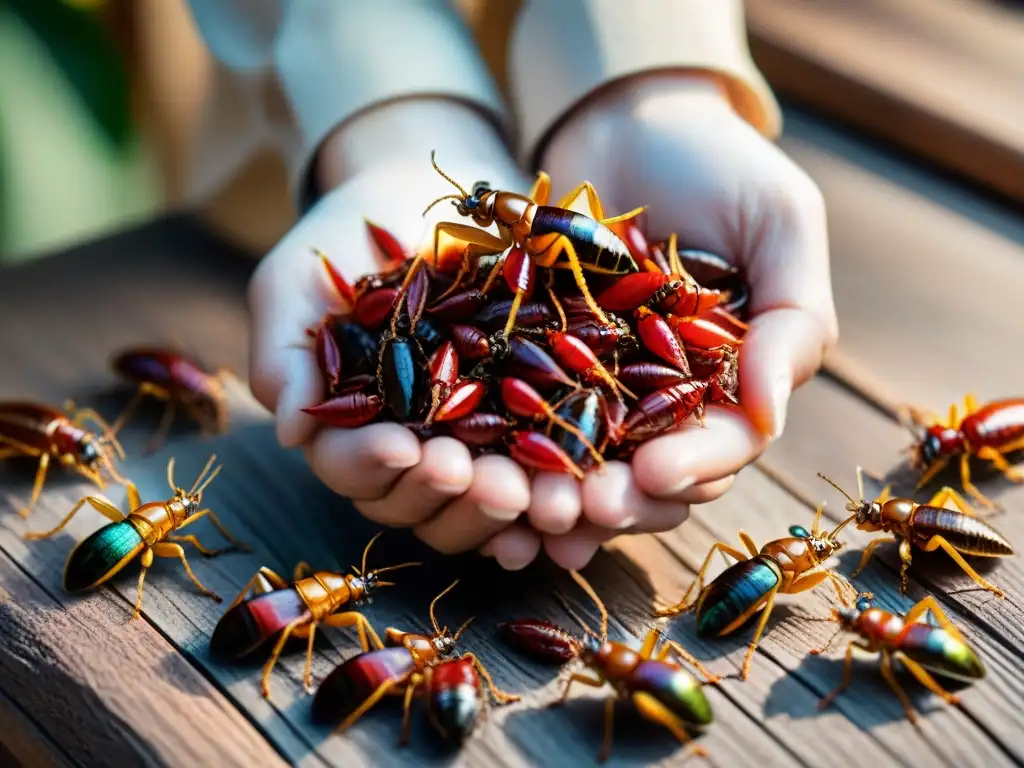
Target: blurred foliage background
[[72, 161]]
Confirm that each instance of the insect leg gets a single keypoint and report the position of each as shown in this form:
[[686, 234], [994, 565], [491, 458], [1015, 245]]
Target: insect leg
[[948, 494], [584, 679], [382, 690], [307, 673], [934, 469], [415, 680], [540, 192], [612, 220], [160, 437], [100, 504], [653, 710], [765, 613], [147, 561], [748, 543], [890, 678], [302, 570], [847, 673], [191, 539], [564, 245], [571, 202], [929, 603], [167, 549], [996, 457], [965, 481], [868, 551], [609, 726], [362, 624], [689, 658], [698, 583], [263, 581], [472, 236], [937, 542], [927, 680], [501, 696], [37, 485], [275, 654], [237, 545], [650, 641]]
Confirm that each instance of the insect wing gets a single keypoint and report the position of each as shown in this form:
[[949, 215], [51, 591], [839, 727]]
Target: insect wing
[[251, 623]]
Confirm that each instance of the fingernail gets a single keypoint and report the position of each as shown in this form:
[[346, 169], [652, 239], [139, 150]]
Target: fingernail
[[781, 392], [681, 486], [401, 462], [487, 550], [499, 514], [448, 487]]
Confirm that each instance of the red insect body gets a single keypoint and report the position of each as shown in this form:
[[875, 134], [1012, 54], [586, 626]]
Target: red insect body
[[341, 285], [602, 339], [542, 640], [530, 315], [519, 271], [328, 356], [471, 343], [537, 450], [530, 362], [658, 337], [702, 334], [615, 412], [416, 295], [355, 383], [453, 692], [523, 400], [647, 377], [631, 291], [386, 242], [664, 409], [351, 410], [630, 233], [995, 424], [480, 428], [444, 365], [458, 306], [374, 307], [684, 298], [465, 398], [572, 352], [725, 320]]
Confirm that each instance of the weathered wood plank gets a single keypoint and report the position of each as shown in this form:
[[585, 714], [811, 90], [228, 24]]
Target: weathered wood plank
[[942, 78]]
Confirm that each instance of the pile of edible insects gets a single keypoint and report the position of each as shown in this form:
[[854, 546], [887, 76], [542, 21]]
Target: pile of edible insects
[[567, 340]]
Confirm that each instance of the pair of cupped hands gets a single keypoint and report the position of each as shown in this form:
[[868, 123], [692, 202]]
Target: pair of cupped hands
[[673, 144]]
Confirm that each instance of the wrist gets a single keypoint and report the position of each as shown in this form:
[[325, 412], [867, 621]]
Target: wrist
[[616, 111], [409, 128]]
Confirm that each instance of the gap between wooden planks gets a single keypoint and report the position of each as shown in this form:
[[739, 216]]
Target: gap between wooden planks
[[941, 78]]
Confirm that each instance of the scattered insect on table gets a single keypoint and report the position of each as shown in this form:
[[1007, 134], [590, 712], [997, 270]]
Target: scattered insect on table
[[35, 430], [790, 565], [173, 378], [147, 530], [662, 691], [987, 432], [426, 664], [268, 607], [928, 527], [923, 648]]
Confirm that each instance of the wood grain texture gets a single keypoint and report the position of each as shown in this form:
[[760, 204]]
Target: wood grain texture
[[940, 77], [189, 289]]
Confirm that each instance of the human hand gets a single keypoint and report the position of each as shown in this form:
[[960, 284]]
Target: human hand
[[673, 143], [378, 167]]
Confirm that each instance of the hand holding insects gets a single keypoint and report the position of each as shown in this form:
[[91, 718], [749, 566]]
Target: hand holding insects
[[378, 169], [673, 144]]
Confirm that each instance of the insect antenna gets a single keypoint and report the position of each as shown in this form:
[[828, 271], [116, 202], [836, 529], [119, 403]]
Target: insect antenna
[[366, 551], [576, 617], [558, 308], [433, 602], [853, 505], [441, 199], [460, 630], [585, 586], [445, 176], [170, 475], [198, 491], [395, 567]]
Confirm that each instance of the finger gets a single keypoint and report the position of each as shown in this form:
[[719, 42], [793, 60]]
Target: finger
[[573, 550], [702, 493], [500, 492], [667, 466], [612, 499], [514, 548], [783, 349], [283, 372], [555, 502], [363, 463], [445, 471]]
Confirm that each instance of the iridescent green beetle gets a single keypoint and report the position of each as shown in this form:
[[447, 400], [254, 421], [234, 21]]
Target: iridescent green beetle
[[146, 529], [923, 648], [790, 565]]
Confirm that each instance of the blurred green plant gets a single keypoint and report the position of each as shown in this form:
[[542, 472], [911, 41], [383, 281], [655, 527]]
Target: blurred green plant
[[84, 50]]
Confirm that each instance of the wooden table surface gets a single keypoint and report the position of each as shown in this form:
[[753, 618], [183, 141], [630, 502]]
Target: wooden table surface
[[927, 278]]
